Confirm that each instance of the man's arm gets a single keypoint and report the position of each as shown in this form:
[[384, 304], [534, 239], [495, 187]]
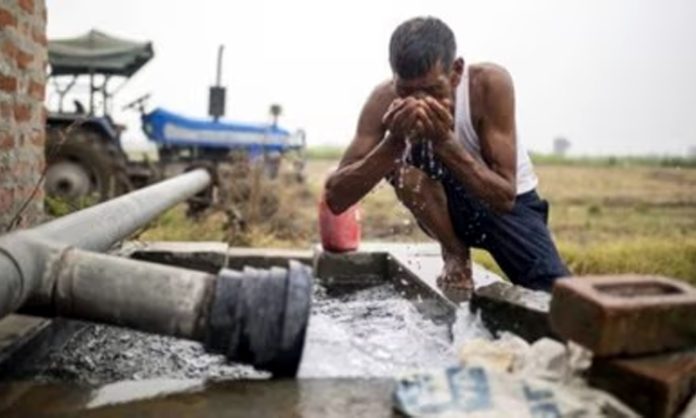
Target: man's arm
[[494, 182], [369, 158]]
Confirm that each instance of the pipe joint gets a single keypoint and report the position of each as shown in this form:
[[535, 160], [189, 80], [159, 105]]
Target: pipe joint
[[260, 317]]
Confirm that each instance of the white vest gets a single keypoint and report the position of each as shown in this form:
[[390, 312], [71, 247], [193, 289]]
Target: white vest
[[466, 134]]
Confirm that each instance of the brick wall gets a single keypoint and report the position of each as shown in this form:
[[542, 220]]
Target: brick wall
[[23, 57]]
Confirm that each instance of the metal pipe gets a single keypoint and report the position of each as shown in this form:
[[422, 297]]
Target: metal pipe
[[255, 316], [25, 256], [97, 228], [146, 296], [258, 317]]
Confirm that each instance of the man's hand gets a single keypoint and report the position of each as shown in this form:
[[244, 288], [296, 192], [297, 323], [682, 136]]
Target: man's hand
[[437, 120], [403, 118]]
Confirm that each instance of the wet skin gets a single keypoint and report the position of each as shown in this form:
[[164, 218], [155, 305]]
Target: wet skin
[[423, 107]]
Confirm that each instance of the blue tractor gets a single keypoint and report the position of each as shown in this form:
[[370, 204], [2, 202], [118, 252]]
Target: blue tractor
[[86, 162]]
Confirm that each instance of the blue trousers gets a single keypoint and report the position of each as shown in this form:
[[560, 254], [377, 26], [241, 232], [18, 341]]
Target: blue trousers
[[519, 241]]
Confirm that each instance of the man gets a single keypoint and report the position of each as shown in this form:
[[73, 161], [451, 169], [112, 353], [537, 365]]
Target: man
[[466, 178]]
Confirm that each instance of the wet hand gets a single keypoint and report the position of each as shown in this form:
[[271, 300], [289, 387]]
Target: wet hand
[[402, 117], [437, 119]]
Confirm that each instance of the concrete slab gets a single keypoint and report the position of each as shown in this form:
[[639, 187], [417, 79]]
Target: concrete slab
[[505, 307], [414, 268], [425, 261], [25, 339], [194, 398], [239, 257], [209, 257], [212, 256], [16, 330]]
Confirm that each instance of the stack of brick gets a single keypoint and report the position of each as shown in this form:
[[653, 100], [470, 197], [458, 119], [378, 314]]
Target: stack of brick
[[23, 57], [642, 332]]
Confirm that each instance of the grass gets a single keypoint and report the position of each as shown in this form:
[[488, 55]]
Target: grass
[[631, 217]]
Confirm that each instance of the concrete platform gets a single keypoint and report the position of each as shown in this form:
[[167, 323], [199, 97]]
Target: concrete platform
[[414, 268]]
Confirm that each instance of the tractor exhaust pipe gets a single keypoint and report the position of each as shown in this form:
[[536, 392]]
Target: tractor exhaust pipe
[[253, 316]]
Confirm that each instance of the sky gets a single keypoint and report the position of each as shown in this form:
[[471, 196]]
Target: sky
[[612, 76]]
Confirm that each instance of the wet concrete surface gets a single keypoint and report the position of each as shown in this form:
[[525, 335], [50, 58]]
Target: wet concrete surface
[[194, 398], [101, 354], [367, 333], [355, 344]]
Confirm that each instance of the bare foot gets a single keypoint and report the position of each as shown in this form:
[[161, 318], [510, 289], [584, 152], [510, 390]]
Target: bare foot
[[456, 281]]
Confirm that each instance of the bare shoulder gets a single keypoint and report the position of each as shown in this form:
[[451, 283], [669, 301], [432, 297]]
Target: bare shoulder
[[495, 79], [383, 94], [370, 121]]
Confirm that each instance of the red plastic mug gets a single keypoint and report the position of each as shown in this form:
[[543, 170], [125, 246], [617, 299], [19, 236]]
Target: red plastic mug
[[339, 233]]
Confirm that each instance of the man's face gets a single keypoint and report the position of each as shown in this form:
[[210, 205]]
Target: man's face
[[439, 83]]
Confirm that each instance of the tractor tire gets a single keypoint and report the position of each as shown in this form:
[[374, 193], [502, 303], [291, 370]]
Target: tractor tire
[[84, 167]]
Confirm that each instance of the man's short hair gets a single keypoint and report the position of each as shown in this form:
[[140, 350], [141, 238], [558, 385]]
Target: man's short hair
[[418, 44]]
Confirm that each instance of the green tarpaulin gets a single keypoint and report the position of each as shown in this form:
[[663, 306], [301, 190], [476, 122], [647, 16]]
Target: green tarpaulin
[[99, 53]]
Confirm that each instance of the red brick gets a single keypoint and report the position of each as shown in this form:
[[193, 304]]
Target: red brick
[[21, 58], [27, 5], [6, 112], [7, 18], [22, 112], [39, 36], [8, 83], [20, 170], [36, 90], [657, 386], [7, 141], [614, 315], [38, 139]]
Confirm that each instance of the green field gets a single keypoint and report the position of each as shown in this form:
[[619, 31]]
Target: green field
[[608, 216]]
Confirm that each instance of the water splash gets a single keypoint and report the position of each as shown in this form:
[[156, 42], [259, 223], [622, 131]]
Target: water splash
[[376, 332]]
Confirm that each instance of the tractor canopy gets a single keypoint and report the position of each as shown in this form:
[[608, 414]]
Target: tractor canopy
[[98, 53]]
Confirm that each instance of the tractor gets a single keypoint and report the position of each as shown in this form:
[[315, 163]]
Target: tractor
[[86, 163]]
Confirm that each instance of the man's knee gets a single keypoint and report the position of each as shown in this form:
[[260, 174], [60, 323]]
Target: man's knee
[[411, 185]]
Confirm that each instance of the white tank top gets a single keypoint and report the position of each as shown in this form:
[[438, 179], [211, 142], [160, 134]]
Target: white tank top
[[466, 134]]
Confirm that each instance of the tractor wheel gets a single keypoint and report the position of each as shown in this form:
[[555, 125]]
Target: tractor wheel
[[84, 168]]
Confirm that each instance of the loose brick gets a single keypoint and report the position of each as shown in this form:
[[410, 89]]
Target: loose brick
[[656, 386], [8, 84], [614, 315], [27, 5], [7, 19]]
